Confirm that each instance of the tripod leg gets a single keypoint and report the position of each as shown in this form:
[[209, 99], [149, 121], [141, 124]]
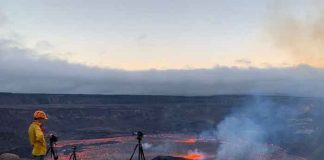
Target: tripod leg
[[55, 155], [133, 152], [139, 151], [48, 150], [52, 153], [142, 153], [70, 156]]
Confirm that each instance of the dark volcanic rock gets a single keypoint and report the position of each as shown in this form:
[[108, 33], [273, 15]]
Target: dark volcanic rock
[[9, 156], [97, 116]]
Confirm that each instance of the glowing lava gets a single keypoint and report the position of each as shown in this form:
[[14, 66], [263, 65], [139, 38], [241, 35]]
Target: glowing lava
[[193, 156], [189, 141], [177, 145]]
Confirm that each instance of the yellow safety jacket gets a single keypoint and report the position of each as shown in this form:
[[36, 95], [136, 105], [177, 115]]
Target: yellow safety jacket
[[37, 139]]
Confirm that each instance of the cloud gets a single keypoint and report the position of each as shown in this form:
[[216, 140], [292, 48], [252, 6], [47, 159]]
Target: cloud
[[243, 61], [43, 45], [23, 70], [3, 18]]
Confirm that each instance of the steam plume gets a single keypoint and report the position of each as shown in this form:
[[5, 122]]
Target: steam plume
[[264, 128], [301, 35]]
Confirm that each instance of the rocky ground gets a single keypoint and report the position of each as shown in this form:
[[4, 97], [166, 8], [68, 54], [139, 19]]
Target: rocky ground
[[98, 116]]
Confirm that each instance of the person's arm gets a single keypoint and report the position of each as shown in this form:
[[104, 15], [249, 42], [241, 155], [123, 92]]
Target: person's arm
[[39, 134]]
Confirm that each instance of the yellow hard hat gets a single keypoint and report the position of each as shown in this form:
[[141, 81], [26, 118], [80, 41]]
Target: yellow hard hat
[[40, 115]]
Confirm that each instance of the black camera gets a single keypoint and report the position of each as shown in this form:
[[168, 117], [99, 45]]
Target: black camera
[[53, 138], [139, 135], [138, 146]]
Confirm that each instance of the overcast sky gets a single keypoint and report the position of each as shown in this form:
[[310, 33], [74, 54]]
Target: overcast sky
[[178, 47], [165, 34]]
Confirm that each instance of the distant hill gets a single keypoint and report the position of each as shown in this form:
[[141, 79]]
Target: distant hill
[[37, 99]]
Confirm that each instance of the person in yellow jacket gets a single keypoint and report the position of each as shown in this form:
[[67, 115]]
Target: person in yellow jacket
[[37, 136]]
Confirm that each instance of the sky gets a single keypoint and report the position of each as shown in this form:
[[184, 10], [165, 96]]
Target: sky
[[146, 34], [178, 47]]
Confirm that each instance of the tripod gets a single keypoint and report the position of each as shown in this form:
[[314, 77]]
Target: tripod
[[73, 154], [52, 150], [140, 149]]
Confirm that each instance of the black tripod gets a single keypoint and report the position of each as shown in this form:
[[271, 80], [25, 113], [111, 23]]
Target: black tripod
[[52, 150], [73, 154], [139, 146]]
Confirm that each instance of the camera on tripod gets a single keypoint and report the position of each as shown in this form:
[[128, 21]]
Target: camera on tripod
[[73, 154], [138, 146], [53, 138], [139, 135]]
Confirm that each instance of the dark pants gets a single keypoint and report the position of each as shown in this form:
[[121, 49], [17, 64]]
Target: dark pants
[[39, 158]]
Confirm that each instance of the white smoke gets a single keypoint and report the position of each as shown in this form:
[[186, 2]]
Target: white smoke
[[242, 138], [299, 32], [147, 145], [262, 126]]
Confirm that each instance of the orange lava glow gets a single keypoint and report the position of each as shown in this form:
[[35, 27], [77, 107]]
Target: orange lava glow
[[190, 141], [193, 156]]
